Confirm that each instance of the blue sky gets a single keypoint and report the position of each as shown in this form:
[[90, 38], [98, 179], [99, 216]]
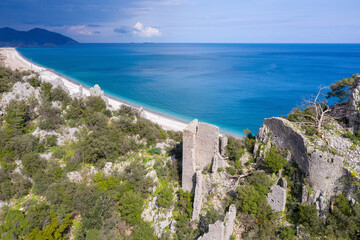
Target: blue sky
[[223, 21]]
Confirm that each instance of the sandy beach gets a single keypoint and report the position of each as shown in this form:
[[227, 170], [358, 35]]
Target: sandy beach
[[12, 59]]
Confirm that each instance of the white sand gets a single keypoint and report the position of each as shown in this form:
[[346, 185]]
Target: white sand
[[11, 58]]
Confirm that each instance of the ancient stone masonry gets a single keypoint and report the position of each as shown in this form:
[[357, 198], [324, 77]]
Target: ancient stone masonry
[[223, 143], [221, 230], [277, 196], [198, 197], [322, 162], [200, 145]]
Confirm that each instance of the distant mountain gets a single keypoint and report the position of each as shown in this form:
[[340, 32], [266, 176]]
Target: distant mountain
[[36, 37]]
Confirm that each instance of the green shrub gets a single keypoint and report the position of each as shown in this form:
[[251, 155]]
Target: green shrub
[[310, 131], [131, 207], [95, 103], [143, 231], [51, 140], [17, 116], [230, 170], [165, 197], [154, 151], [34, 82], [59, 153], [274, 161], [234, 149]]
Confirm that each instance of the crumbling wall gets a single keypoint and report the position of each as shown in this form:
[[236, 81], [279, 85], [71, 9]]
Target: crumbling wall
[[221, 230], [200, 145], [188, 162], [276, 198], [198, 197]]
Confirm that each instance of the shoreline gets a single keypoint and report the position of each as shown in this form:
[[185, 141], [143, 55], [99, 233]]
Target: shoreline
[[15, 60]]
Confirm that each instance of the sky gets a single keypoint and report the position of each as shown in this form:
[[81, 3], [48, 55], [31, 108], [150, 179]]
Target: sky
[[194, 21]]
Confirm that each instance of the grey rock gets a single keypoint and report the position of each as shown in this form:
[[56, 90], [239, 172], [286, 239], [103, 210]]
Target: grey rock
[[97, 92], [20, 91]]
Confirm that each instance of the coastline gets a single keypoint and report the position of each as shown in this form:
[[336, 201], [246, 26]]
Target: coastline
[[15, 60]]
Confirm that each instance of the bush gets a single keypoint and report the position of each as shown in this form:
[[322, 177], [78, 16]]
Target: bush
[[230, 170], [34, 82], [234, 149], [274, 161], [131, 207], [143, 231], [165, 197], [59, 153], [154, 151], [33, 163], [51, 140], [95, 103]]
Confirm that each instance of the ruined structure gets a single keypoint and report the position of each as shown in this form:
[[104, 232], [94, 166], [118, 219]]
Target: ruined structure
[[325, 163], [276, 198], [200, 145], [203, 148], [221, 230]]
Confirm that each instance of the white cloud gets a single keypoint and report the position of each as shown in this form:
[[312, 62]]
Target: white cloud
[[140, 30], [81, 30]]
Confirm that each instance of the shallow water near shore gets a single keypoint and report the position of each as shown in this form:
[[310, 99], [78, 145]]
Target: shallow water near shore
[[234, 86]]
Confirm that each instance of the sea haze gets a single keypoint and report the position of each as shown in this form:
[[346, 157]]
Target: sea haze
[[234, 86]]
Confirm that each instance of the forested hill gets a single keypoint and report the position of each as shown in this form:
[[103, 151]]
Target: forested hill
[[36, 37]]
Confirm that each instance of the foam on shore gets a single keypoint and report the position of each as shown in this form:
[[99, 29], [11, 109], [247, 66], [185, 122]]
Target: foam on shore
[[15, 60]]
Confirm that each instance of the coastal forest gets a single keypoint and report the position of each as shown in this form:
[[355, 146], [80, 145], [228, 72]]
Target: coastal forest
[[73, 168]]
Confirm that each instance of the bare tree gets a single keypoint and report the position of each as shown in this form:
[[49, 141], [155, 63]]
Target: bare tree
[[314, 112]]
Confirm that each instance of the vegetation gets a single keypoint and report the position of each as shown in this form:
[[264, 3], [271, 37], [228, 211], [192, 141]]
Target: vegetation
[[274, 161], [102, 206], [259, 219], [341, 89]]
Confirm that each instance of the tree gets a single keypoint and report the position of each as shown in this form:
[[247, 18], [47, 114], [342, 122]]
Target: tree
[[314, 112], [17, 116], [342, 88]]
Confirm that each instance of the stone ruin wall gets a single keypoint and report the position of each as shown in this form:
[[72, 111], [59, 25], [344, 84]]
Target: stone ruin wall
[[206, 144], [200, 145], [188, 161]]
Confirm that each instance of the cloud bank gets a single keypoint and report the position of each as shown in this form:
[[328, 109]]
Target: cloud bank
[[139, 30]]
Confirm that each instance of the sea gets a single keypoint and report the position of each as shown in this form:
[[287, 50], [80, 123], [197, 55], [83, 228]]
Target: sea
[[234, 86]]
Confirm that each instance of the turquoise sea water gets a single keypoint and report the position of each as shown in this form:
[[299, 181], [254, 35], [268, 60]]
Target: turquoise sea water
[[234, 86]]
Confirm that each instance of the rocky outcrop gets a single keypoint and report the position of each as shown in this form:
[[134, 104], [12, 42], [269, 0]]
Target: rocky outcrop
[[20, 91], [67, 134], [97, 92]]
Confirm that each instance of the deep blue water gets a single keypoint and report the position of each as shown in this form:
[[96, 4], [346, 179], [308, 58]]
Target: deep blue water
[[234, 86]]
